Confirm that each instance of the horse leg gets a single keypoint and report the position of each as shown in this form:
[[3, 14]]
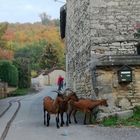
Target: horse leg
[[57, 120], [48, 119], [58, 117], [74, 116], [85, 118], [90, 117], [67, 121], [70, 115], [62, 121], [44, 117], [95, 116], [95, 112]]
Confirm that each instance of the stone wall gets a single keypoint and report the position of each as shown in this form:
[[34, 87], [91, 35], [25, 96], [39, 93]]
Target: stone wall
[[121, 95], [113, 25], [78, 46], [3, 89], [114, 20], [94, 29]]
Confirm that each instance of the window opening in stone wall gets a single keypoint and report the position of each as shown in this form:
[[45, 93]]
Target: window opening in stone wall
[[63, 21], [138, 48]]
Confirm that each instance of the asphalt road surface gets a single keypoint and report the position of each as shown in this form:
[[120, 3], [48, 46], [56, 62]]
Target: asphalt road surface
[[28, 124]]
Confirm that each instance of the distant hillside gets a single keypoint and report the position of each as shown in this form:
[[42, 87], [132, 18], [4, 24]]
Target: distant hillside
[[21, 34], [26, 39]]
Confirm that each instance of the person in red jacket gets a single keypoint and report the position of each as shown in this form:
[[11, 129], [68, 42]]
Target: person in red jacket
[[60, 82]]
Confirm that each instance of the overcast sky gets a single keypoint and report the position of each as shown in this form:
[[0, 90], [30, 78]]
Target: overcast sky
[[27, 10]]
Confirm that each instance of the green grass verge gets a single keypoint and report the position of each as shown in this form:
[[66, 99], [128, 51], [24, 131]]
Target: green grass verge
[[133, 121], [19, 92]]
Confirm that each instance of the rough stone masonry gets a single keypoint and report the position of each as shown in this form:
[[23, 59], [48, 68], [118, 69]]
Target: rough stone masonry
[[100, 39]]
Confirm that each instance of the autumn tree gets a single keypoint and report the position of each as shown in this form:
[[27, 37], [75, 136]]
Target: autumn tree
[[3, 28], [45, 19], [6, 54], [34, 37]]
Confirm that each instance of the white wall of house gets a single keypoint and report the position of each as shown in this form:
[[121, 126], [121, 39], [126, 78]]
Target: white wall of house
[[38, 82], [51, 78]]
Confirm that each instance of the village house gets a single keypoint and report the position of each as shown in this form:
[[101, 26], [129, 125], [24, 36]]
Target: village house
[[51, 76], [48, 78], [102, 50]]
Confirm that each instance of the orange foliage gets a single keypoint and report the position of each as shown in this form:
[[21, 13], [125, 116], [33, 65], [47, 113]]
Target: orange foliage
[[28, 33], [6, 54], [9, 35], [17, 35]]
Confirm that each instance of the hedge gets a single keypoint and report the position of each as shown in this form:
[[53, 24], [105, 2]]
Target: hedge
[[24, 72], [8, 73]]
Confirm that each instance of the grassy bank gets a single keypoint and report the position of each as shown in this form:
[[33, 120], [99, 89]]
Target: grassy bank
[[133, 121], [20, 92]]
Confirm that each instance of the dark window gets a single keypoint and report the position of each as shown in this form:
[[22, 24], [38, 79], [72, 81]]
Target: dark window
[[138, 48], [63, 21]]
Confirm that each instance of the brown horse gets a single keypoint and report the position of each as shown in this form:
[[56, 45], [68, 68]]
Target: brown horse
[[86, 106], [52, 107], [66, 108]]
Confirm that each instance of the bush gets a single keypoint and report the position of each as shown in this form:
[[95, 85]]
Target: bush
[[34, 74], [19, 92], [8, 73], [24, 70]]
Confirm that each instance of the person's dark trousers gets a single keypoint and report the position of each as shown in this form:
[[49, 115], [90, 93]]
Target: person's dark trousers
[[59, 87], [62, 86]]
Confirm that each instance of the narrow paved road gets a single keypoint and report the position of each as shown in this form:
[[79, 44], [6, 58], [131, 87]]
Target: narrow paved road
[[28, 124]]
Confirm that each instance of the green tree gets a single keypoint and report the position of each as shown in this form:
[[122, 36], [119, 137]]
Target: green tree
[[33, 52], [24, 70], [61, 55], [8, 73], [50, 57]]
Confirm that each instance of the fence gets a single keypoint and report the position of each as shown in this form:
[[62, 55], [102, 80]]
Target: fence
[[3, 89]]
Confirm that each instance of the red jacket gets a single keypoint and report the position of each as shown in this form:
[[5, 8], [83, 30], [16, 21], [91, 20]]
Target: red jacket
[[60, 80]]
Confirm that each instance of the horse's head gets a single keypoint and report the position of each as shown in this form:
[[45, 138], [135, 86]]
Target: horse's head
[[72, 96], [60, 95], [104, 102], [59, 99], [68, 91]]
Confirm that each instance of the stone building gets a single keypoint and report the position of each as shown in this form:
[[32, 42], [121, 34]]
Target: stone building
[[102, 50]]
